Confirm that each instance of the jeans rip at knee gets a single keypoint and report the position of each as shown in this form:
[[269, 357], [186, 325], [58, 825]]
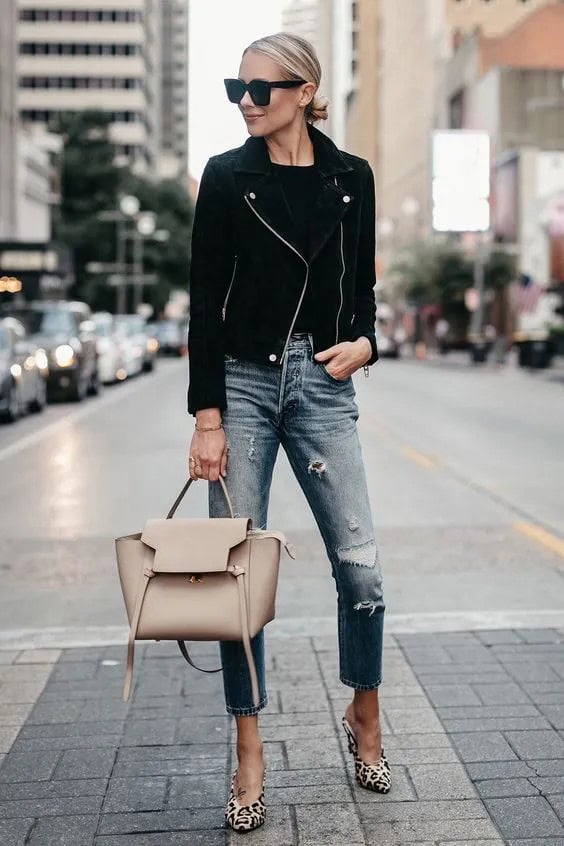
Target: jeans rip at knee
[[358, 574]]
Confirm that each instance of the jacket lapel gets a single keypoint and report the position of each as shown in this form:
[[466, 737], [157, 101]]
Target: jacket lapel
[[268, 201], [330, 208]]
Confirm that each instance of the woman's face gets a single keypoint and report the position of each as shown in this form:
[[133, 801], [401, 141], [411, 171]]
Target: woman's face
[[284, 106]]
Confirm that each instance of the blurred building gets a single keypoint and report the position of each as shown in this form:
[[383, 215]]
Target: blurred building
[[405, 55], [76, 55], [8, 119], [331, 27], [33, 185], [24, 167], [363, 114], [492, 17], [510, 85], [302, 18], [174, 90]]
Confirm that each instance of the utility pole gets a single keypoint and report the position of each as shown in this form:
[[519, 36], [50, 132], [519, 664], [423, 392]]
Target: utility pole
[[121, 289], [476, 334]]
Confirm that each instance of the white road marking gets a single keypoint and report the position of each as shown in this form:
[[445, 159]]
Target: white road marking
[[440, 621]]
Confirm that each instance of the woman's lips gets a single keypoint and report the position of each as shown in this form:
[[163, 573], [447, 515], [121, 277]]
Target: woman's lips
[[252, 117]]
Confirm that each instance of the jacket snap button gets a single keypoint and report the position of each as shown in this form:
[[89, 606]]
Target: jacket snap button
[[272, 357], [346, 199], [252, 195]]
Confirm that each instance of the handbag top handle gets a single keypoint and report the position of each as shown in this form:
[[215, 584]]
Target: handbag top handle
[[180, 497]]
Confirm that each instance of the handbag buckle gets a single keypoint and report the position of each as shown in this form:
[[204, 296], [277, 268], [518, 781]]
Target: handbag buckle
[[195, 577]]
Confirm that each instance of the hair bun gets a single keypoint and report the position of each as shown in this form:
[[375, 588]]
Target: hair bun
[[318, 109]]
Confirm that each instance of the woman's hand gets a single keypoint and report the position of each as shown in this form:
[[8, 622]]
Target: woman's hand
[[345, 357], [208, 449]]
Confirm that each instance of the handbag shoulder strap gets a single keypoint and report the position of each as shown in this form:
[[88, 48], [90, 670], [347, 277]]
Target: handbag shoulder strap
[[146, 577]]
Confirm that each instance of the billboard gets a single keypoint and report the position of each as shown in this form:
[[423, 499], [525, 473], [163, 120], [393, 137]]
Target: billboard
[[461, 181]]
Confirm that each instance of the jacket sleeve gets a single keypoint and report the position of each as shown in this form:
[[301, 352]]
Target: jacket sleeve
[[365, 301], [210, 271]]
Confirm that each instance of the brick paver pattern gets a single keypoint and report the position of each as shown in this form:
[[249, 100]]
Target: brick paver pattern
[[472, 724]]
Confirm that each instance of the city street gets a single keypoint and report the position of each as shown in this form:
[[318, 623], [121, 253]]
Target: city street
[[465, 466], [466, 476]]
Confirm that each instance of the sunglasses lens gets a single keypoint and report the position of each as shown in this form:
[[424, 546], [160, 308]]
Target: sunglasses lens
[[260, 92], [235, 90]]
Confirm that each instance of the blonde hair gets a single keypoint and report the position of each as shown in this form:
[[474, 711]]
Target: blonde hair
[[297, 60]]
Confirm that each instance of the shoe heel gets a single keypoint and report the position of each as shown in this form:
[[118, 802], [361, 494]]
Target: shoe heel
[[350, 738]]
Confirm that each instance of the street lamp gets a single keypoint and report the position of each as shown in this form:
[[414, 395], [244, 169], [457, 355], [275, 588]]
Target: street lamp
[[146, 228], [129, 205]]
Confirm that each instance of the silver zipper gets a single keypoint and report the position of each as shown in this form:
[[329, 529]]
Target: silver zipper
[[340, 281], [229, 289], [274, 232]]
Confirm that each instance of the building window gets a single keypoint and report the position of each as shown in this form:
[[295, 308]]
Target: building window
[[79, 49], [50, 115], [81, 15], [102, 82]]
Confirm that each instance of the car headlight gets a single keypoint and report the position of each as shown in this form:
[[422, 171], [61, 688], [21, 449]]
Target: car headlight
[[41, 359], [16, 371], [64, 355]]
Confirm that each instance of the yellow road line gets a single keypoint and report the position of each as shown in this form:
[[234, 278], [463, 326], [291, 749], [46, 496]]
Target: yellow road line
[[420, 457], [540, 535]]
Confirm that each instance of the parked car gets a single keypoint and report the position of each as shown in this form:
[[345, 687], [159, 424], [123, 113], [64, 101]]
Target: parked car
[[143, 345], [70, 346], [172, 337], [110, 347], [23, 372]]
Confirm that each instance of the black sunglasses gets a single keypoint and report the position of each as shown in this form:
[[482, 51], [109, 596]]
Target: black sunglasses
[[259, 89]]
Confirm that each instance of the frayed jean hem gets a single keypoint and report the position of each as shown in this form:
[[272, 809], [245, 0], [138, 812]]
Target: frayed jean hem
[[361, 686], [248, 712]]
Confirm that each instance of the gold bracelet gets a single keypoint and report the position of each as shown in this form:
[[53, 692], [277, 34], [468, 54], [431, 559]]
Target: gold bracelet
[[208, 428]]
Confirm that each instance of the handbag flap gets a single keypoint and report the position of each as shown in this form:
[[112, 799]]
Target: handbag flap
[[192, 544]]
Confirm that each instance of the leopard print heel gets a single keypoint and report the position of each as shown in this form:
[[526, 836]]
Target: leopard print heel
[[245, 817], [376, 776]]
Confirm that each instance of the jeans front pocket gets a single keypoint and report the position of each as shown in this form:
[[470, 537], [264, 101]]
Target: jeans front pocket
[[333, 378]]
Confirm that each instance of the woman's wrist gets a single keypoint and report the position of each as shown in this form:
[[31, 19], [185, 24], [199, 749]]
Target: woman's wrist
[[365, 344], [208, 417]]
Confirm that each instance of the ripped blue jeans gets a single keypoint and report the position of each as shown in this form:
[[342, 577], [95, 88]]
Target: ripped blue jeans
[[313, 415]]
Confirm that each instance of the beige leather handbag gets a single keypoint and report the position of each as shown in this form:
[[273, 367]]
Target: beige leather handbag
[[199, 579]]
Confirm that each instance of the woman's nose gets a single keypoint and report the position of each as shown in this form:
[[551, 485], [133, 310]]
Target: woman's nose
[[246, 100]]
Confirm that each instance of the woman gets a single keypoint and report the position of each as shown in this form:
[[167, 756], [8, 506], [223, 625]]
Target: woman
[[282, 314]]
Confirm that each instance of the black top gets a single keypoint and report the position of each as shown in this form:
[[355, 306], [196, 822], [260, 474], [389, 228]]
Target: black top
[[300, 188]]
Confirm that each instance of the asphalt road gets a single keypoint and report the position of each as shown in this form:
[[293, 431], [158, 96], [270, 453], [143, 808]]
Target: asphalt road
[[466, 473]]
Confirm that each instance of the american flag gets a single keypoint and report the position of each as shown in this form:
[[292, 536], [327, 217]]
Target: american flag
[[528, 293]]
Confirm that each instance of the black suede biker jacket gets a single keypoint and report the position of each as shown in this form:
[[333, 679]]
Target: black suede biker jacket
[[248, 277]]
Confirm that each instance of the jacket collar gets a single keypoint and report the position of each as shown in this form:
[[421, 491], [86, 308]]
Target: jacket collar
[[266, 196], [330, 161]]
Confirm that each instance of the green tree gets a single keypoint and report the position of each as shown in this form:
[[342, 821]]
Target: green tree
[[89, 184], [437, 272], [169, 260]]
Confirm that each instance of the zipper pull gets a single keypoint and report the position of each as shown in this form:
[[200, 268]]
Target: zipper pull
[[366, 370]]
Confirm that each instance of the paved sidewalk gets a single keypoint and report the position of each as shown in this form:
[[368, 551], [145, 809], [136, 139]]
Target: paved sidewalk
[[473, 726]]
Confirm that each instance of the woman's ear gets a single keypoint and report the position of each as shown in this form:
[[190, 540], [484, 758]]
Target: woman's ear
[[308, 93]]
